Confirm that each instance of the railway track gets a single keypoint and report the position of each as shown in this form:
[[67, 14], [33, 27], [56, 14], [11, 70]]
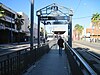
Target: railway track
[[95, 55], [91, 58]]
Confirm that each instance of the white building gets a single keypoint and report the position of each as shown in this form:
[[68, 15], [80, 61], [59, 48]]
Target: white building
[[35, 30], [26, 23]]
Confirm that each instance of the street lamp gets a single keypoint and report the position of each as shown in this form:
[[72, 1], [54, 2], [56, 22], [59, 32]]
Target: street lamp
[[32, 23], [70, 12], [38, 13]]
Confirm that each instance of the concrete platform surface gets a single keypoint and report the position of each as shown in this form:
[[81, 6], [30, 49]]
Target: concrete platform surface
[[51, 64]]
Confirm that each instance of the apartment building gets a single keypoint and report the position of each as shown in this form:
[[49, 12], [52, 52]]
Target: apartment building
[[7, 25], [8, 28]]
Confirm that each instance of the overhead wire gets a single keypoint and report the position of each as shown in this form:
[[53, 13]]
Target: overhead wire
[[82, 17], [77, 6], [77, 9]]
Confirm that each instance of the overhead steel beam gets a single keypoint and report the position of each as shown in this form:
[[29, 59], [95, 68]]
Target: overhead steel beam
[[54, 17]]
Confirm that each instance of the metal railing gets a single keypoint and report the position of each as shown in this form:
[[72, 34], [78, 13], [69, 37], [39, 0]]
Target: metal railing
[[82, 64], [17, 62]]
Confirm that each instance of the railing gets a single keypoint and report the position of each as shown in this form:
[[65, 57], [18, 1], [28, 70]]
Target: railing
[[82, 64], [16, 63]]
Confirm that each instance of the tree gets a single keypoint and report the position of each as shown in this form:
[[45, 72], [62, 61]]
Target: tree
[[2, 13], [19, 22], [96, 20], [42, 32], [78, 29]]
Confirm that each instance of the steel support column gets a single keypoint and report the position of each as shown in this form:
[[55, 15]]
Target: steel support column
[[38, 30], [70, 32], [44, 39]]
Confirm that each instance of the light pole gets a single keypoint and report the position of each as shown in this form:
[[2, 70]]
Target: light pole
[[32, 23], [38, 13], [44, 32]]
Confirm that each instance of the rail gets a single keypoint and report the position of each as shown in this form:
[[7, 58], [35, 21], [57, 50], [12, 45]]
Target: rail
[[15, 63], [83, 65]]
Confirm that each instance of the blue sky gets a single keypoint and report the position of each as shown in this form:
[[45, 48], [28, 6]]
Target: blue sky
[[81, 8]]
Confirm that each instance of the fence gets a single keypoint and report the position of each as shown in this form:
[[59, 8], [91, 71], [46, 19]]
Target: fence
[[78, 65], [16, 63]]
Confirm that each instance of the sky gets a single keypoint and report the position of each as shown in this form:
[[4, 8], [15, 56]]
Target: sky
[[83, 9]]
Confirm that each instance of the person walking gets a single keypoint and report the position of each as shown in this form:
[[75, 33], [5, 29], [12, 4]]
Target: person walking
[[60, 44]]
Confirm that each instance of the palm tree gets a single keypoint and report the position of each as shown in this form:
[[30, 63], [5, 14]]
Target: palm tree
[[19, 22], [96, 21], [42, 32], [78, 29], [2, 12]]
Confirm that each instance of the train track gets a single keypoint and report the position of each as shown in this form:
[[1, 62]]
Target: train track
[[91, 58], [95, 55]]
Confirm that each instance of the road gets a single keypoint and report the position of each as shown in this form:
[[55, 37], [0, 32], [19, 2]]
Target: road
[[93, 47], [6, 48], [11, 48]]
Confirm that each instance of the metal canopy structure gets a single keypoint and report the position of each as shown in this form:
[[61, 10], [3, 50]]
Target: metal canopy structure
[[58, 14]]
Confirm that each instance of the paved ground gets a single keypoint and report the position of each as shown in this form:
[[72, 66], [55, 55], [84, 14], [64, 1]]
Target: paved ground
[[51, 64]]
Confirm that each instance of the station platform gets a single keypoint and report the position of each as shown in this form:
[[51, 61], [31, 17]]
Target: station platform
[[51, 64]]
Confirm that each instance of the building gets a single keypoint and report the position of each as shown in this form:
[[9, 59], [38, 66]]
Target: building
[[8, 28], [35, 30], [7, 25], [26, 24], [93, 33]]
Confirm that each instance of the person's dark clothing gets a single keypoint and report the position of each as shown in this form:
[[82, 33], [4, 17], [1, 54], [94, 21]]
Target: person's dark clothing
[[60, 42]]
